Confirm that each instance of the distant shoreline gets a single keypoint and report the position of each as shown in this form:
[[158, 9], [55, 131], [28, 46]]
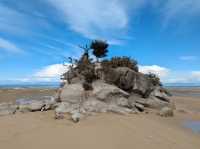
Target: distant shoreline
[[30, 86], [182, 87], [56, 85]]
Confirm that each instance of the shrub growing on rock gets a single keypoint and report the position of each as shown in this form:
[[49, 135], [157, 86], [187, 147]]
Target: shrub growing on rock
[[124, 61], [155, 80]]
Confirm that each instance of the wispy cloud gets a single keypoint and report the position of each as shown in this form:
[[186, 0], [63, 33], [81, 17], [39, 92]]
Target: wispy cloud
[[188, 58], [9, 46], [93, 18], [97, 18], [111, 19], [16, 22]]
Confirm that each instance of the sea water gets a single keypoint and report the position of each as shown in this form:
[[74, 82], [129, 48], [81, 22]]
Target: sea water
[[193, 125]]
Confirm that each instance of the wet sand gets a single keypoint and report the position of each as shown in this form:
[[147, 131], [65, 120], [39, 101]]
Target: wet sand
[[11, 95], [104, 131], [188, 99]]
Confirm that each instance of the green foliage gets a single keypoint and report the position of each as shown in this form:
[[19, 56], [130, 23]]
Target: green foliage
[[120, 62], [99, 48], [154, 79]]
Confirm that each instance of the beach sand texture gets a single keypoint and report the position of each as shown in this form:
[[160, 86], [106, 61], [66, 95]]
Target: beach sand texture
[[39, 130]]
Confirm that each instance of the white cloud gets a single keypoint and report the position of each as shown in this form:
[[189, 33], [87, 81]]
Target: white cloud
[[158, 70], [97, 18], [196, 75], [9, 46], [51, 71], [188, 58]]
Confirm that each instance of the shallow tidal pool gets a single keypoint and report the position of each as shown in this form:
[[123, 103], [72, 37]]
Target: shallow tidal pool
[[193, 125]]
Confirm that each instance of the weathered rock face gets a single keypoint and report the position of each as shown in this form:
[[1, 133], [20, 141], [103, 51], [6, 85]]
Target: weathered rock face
[[128, 80], [156, 103], [156, 100], [74, 93], [7, 109], [103, 98], [94, 105], [160, 93], [25, 105], [105, 92], [159, 98]]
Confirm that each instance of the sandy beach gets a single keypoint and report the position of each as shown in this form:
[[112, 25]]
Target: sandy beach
[[108, 131]]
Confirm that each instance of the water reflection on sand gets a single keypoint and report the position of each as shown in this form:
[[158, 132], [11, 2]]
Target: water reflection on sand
[[193, 125]]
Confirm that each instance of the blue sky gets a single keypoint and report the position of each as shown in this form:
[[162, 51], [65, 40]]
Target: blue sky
[[162, 35]]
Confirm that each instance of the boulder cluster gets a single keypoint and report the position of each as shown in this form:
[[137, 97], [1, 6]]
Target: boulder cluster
[[132, 93], [27, 105]]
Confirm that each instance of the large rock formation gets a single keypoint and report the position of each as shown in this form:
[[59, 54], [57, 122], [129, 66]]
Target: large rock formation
[[113, 85], [122, 91]]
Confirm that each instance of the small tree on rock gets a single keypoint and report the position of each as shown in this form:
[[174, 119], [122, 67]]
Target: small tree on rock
[[99, 48]]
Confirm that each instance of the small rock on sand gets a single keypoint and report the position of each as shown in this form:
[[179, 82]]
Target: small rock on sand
[[166, 112], [76, 116]]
